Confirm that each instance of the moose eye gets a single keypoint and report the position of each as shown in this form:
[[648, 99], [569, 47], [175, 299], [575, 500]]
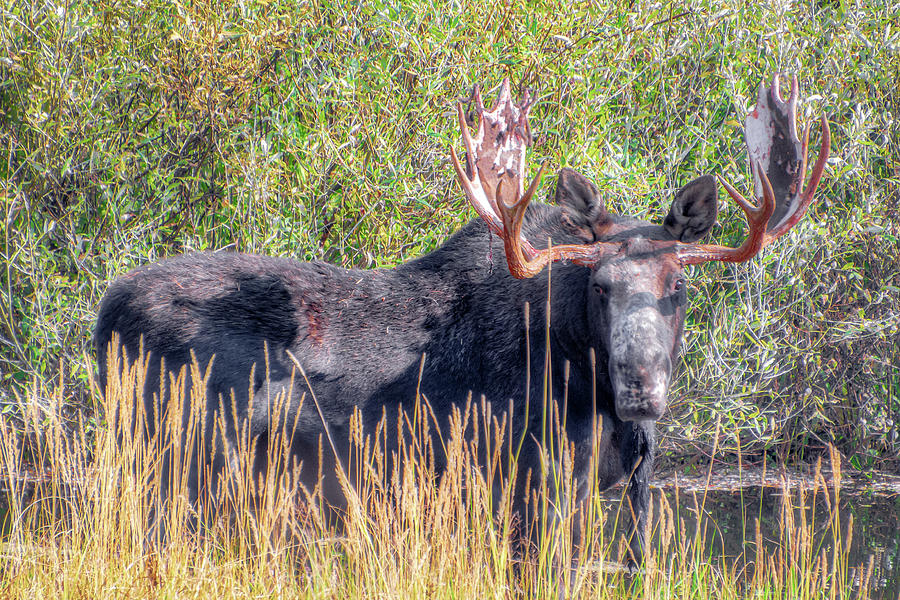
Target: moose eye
[[679, 284]]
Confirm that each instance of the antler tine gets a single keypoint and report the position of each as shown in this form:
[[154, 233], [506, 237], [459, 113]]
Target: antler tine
[[467, 137], [735, 195], [529, 193], [513, 216], [821, 161]]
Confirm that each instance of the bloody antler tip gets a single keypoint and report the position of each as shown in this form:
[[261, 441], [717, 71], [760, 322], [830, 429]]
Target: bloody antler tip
[[504, 96], [776, 88], [761, 94], [526, 102], [479, 102]]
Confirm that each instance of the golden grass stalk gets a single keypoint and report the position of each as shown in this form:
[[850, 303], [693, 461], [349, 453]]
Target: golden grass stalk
[[80, 525]]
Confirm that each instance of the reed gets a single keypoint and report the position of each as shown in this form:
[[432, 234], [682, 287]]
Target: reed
[[76, 521]]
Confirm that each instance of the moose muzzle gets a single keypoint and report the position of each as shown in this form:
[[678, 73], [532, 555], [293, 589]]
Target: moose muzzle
[[640, 365]]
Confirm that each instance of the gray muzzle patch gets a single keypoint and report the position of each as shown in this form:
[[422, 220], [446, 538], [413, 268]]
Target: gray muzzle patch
[[640, 365]]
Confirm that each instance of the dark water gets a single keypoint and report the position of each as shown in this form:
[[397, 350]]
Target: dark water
[[727, 510]]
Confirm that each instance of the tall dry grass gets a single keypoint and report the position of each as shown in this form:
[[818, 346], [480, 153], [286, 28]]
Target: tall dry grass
[[77, 525]]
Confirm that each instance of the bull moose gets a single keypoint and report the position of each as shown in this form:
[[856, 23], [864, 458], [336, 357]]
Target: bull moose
[[617, 296]]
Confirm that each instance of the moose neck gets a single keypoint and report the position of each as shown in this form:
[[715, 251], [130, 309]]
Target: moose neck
[[500, 357]]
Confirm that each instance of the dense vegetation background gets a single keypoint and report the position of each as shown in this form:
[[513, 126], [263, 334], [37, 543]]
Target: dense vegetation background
[[137, 129]]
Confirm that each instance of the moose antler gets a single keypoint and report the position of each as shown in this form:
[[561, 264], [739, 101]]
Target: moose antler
[[778, 163], [493, 181]]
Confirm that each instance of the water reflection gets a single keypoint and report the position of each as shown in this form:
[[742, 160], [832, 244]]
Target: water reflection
[[728, 508]]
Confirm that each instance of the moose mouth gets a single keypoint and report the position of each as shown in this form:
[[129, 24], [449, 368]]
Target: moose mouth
[[640, 391], [634, 402]]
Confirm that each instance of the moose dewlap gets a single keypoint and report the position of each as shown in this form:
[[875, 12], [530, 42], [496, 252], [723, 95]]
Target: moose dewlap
[[617, 297]]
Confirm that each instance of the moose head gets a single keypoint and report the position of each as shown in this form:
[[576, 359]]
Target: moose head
[[637, 286]]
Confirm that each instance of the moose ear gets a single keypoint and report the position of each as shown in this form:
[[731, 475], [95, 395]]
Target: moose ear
[[583, 212], [693, 210]]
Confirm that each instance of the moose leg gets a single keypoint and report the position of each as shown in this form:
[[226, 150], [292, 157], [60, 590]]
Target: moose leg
[[638, 452]]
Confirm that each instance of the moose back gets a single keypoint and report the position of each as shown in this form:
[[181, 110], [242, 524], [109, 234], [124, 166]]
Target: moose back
[[617, 298]]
